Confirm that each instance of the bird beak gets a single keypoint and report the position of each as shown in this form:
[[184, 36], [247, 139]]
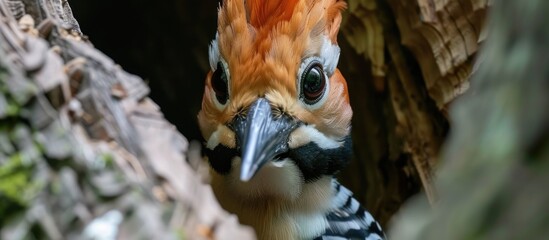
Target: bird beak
[[262, 136]]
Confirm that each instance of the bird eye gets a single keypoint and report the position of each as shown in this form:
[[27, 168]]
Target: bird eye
[[313, 83], [219, 83]]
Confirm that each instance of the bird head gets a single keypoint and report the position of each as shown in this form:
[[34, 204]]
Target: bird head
[[275, 105]]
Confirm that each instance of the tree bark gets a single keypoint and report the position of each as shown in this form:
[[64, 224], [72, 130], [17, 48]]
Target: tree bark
[[494, 169], [84, 153], [420, 55]]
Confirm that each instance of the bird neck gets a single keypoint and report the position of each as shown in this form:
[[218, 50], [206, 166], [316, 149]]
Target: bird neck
[[303, 217]]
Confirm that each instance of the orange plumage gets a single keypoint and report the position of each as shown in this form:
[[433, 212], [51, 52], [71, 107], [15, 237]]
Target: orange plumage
[[263, 43], [264, 14]]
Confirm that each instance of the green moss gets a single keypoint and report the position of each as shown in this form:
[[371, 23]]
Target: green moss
[[181, 234], [107, 159], [13, 108], [16, 183], [12, 185]]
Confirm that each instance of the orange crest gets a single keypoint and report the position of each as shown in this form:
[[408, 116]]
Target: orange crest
[[263, 46], [267, 13]]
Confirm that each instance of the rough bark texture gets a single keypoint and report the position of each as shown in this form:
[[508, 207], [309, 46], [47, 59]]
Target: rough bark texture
[[494, 169], [420, 55], [84, 153]]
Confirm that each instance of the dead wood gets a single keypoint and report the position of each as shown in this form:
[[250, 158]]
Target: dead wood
[[494, 171], [82, 146]]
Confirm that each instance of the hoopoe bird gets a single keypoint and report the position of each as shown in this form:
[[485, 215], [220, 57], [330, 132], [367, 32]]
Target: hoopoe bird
[[276, 121]]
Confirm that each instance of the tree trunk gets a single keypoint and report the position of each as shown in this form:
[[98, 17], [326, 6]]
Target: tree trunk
[[84, 153], [495, 167], [420, 55]]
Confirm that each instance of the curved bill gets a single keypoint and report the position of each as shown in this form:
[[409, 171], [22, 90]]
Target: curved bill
[[262, 136]]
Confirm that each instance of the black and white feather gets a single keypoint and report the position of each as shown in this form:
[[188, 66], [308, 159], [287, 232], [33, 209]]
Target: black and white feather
[[348, 220]]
